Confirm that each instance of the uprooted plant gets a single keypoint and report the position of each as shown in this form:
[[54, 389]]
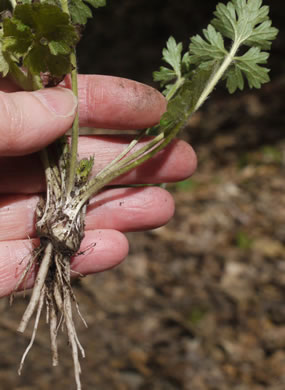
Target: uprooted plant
[[37, 50]]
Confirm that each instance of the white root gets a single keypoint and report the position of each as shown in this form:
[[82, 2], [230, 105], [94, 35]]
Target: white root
[[39, 310], [53, 288], [53, 334], [39, 283]]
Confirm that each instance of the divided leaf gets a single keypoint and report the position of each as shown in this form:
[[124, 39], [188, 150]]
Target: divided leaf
[[180, 65], [80, 12], [207, 51], [245, 20], [184, 103], [171, 55], [193, 76], [41, 36]]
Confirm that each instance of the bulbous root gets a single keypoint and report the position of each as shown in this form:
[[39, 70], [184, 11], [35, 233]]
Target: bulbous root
[[53, 289]]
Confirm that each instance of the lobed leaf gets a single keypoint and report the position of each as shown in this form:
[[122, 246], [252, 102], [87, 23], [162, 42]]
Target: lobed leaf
[[81, 12], [41, 37], [246, 21]]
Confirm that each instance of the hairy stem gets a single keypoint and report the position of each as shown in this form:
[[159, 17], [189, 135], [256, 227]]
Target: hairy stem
[[217, 75], [75, 130]]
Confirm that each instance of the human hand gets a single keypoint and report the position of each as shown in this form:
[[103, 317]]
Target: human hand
[[27, 125]]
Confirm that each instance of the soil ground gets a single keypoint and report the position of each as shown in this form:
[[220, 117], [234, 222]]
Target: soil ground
[[200, 303]]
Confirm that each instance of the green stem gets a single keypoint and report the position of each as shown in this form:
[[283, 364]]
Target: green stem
[[131, 145], [75, 130], [129, 163], [75, 127], [179, 82], [218, 75]]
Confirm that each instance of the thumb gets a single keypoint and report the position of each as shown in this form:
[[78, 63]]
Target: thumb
[[32, 120]]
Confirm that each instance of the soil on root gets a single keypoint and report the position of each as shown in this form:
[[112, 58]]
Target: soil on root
[[198, 304]]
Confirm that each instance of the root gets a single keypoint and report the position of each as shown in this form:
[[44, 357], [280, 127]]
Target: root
[[39, 283], [38, 315], [53, 289]]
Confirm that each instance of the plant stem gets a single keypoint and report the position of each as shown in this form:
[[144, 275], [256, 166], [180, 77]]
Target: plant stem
[[129, 163], [75, 127], [218, 75], [179, 82], [75, 130]]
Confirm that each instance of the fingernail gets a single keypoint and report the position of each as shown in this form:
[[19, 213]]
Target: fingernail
[[60, 101]]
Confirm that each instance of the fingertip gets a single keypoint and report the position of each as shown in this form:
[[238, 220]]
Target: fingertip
[[118, 103], [100, 251]]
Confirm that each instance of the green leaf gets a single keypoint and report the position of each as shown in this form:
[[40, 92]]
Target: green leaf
[[4, 66], [210, 49], [97, 3], [249, 66], [41, 36], [245, 20], [80, 12], [184, 103], [172, 55], [17, 38], [84, 169], [164, 75]]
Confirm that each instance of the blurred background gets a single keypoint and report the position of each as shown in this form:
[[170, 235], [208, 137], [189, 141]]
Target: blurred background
[[200, 303]]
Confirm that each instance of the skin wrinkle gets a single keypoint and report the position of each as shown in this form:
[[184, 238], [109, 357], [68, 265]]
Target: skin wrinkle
[[14, 208], [83, 92], [111, 209], [8, 113]]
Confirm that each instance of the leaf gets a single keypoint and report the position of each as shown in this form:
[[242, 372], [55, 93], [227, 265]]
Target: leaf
[[17, 37], [212, 48], [245, 20], [184, 103], [84, 169], [193, 76], [4, 66], [172, 55], [41, 36], [180, 65], [80, 12], [164, 75], [249, 66]]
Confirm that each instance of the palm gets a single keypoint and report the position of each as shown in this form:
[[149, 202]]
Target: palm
[[113, 211]]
